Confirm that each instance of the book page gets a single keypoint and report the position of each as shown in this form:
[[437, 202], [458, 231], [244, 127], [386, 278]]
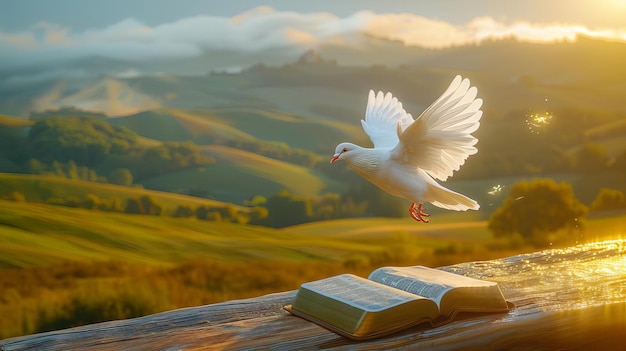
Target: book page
[[412, 285], [424, 281], [359, 292]]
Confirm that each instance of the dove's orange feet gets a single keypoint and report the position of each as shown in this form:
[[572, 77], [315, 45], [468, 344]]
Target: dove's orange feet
[[418, 213]]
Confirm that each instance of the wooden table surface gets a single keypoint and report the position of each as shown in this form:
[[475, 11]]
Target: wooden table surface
[[565, 299]]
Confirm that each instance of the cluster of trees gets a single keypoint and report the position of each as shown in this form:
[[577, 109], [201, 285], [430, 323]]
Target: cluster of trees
[[286, 209], [533, 211], [542, 212], [148, 205], [609, 200], [80, 147], [540, 154], [69, 170], [85, 140], [222, 213], [89, 148], [161, 159], [278, 151]]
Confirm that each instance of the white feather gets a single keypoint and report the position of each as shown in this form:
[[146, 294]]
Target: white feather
[[382, 114], [409, 153], [439, 140]]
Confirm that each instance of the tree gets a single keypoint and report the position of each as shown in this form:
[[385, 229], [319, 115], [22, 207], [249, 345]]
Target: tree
[[111, 205], [591, 158], [536, 210], [85, 140], [133, 206], [35, 166], [121, 176], [609, 199], [91, 201], [285, 209], [72, 170], [149, 206], [16, 196], [208, 213], [258, 214], [183, 211], [170, 157]]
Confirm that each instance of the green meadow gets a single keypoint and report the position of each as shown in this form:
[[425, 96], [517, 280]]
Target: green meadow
[[62, 267], [40, 188]]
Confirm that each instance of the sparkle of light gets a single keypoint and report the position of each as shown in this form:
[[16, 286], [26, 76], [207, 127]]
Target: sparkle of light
[[538, 121], [495, 189]]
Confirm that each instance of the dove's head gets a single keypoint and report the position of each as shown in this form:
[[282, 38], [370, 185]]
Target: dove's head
[[344, 151]]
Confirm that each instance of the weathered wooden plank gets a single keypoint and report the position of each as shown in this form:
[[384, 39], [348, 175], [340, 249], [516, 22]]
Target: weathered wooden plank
[[565, 299]]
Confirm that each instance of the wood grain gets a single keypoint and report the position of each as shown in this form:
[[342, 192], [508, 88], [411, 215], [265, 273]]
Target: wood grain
[[565, 299]]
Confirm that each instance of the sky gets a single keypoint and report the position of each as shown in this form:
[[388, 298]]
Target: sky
[[36, 30], [80, 14]]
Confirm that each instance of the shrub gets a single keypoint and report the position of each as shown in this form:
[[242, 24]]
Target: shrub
[[609, 199], [16, 196], [536, 209]]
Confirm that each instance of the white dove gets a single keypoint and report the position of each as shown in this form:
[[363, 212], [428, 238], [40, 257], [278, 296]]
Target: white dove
[[409, 153]]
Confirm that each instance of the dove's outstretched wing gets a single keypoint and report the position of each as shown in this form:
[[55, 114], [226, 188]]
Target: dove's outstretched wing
[[381, 119], [440, 139]]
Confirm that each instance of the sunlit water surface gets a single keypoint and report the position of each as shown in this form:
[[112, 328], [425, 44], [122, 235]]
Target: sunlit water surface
[[559, 279]]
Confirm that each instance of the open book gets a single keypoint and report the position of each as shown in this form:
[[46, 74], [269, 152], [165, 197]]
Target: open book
[[392, 299]]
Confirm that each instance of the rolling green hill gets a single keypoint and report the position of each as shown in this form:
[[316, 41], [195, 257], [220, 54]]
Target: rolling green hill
[[39, 234], [240, 125], [39, 188], [273, 127], [238, 175], [13, 121]]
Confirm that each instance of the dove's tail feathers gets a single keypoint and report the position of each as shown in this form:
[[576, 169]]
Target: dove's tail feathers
[[448, 199]]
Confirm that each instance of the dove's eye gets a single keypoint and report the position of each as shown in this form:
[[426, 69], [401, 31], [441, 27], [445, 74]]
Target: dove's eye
[[344, 149]]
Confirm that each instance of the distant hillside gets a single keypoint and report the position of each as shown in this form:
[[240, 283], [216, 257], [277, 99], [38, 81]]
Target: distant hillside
[[274, 127], [586, 73], [13, 121], [36, 188], [240, 125], [238, 175]]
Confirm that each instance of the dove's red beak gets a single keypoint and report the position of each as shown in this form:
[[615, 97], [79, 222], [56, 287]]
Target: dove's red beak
[[335, 158]]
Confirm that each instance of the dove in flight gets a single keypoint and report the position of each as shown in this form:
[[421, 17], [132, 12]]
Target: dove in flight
[[408, 155]]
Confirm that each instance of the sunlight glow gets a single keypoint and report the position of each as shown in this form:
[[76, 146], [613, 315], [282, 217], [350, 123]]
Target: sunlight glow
[[495, 189], [584, 275], [538, 121]]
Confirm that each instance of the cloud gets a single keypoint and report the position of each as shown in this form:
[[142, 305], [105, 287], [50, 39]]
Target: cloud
[[264, 28]]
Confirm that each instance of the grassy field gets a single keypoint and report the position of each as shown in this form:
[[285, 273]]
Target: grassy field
[[61, 267], [241, 174], [39, 234], [242, 124], [39, 188], [12, 121]]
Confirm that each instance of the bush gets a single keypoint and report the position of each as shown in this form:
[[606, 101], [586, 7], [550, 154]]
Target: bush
[[609, 199], [592, 158], [538, 208], [183, 211], [16, 196], [121, 176], [143, 205], [91, 202]]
